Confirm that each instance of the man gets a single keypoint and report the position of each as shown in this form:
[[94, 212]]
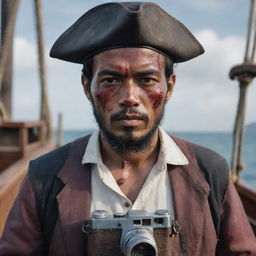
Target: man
[[128, 51]]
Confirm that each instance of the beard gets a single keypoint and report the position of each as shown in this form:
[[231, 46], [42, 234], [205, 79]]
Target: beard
[[127, 142]]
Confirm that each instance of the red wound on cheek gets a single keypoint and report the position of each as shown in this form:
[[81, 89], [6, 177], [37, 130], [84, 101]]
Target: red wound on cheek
[[103, 97], [156, 98]]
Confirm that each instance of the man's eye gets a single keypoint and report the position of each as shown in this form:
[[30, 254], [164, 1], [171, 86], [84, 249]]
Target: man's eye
[[147, 80], [110, 80]]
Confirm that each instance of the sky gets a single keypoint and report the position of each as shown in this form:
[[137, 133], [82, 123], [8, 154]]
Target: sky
[[204, 99]]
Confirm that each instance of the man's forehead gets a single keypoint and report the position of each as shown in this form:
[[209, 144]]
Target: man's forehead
[[126, 57]]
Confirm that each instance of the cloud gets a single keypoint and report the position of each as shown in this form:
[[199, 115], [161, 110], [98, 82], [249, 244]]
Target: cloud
[[206, 4], [205, 97], [24, 54], [26, 93], [221, 53]]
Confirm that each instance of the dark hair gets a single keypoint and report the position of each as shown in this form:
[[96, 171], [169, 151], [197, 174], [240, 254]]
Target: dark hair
[[87, 70]]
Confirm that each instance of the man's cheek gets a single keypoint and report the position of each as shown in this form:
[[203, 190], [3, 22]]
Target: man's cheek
[[156, 97], [105, 98]]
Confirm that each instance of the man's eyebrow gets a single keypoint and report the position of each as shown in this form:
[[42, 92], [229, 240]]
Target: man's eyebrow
[[148, 72], [120, 74], [109, 72]]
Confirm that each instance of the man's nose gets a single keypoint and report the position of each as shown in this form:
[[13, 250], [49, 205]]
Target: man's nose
[[129, 96]]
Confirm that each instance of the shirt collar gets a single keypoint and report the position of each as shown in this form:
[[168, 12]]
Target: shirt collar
[[92, 151], [169, 153]]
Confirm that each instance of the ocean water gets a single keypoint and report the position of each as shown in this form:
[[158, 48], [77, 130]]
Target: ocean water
[[218, 141]]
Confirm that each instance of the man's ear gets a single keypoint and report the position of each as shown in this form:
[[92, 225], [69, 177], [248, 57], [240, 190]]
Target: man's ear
[[171, 82], [86, 87]]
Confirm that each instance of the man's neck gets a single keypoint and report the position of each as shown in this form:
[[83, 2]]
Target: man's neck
[[130, 169], [146, 157]]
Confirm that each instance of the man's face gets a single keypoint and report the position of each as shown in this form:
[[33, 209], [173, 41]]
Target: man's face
[[129, 90]]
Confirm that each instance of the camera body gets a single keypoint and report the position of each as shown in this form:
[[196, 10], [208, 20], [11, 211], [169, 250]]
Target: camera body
[[135, 233]]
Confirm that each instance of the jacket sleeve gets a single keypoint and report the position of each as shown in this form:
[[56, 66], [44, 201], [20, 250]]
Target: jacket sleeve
[[22, 233], [236, 236]]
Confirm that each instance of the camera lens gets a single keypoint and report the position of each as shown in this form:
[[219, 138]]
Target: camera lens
[[143, 249], [138, 242]]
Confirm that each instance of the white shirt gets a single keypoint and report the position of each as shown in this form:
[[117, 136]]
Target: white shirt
[[156, 192]]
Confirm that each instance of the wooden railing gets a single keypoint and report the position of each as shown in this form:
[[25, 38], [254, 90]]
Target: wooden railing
[[18, 139], [19, 143]]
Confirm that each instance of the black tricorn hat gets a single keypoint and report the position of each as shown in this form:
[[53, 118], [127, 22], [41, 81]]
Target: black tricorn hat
[[126, 24]]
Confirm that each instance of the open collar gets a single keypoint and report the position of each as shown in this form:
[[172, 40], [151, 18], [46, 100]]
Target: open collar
[[170, 153]]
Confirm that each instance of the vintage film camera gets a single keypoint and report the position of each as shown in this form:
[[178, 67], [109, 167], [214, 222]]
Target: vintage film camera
[[136, 233]]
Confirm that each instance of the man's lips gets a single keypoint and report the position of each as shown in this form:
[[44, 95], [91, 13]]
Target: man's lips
[[130, 117], [130, 120]]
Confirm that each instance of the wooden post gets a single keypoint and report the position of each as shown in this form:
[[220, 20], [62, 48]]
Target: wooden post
[[45, 112], [8, 18], [244, 74], [250, 45], [23, 135], [3, 113], [60, 130], [238, 133]]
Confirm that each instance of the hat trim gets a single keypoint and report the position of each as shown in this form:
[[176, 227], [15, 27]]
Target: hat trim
[[91, 55]]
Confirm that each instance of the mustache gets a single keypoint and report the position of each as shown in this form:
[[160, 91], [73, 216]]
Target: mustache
[[129, 111]]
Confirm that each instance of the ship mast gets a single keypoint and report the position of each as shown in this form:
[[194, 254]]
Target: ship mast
[[9, 12], [44, 112], [8, 17], [244, 74]]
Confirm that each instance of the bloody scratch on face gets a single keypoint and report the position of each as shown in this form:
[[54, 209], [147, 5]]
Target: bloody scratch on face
[[103, 97], [156, 98]]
